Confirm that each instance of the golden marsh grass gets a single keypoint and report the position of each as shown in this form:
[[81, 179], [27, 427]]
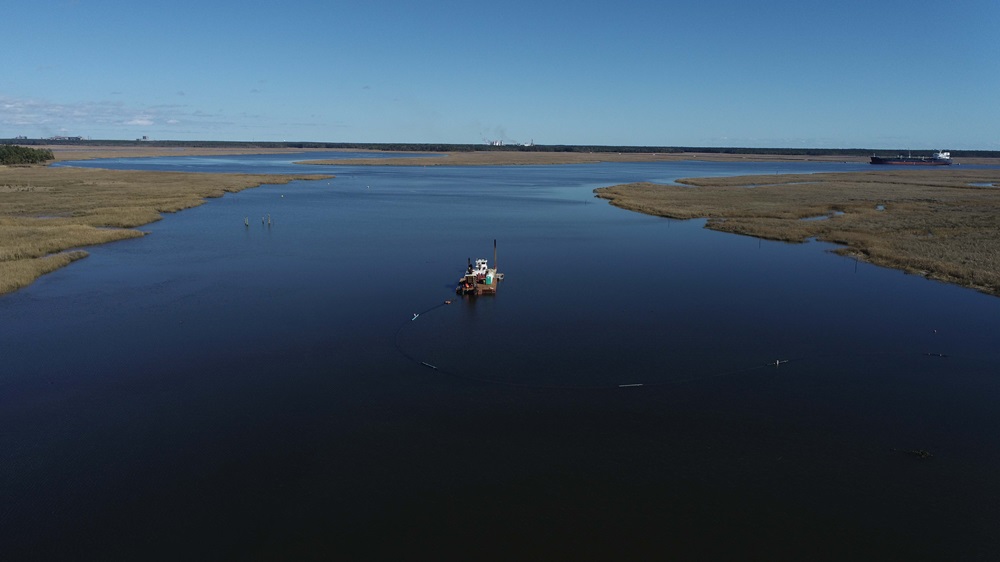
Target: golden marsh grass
[[940, 223], [46, 211], [936, 222]]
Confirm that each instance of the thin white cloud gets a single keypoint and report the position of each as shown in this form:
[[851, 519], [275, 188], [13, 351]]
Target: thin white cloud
[[83, 116], [142, 121]]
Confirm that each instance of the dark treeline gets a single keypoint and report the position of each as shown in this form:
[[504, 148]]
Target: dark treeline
[[12, 155], [443, 147]]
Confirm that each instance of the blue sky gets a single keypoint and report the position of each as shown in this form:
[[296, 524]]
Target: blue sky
[[842, 74]]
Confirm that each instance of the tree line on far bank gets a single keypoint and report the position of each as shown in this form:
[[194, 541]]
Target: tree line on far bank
[[444, 147], [12, 155]]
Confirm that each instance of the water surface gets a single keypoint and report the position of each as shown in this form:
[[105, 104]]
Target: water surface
[[217, 391]]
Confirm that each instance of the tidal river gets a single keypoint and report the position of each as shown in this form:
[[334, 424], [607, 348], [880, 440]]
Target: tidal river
[[638, 386]]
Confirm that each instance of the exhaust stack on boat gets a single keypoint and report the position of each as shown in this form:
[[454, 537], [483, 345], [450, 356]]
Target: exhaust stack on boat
[[480, 279]]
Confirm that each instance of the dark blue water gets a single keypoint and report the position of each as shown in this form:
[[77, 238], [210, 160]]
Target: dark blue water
[[215, 391]]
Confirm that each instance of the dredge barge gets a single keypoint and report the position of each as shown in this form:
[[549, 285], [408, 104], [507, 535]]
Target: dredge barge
[[480, 279]]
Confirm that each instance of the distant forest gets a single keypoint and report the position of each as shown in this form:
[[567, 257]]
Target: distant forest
[[441, 147], [12, 155]]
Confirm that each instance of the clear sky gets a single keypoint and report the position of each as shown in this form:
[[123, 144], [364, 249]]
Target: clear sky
[[914, 74]]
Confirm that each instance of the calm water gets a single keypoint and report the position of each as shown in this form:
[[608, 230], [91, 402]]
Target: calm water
[[214, 391]]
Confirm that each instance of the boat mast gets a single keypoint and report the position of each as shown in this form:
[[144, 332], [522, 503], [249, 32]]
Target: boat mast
[[495, 255]]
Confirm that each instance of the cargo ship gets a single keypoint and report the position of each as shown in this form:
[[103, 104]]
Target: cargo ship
[[939, 158]]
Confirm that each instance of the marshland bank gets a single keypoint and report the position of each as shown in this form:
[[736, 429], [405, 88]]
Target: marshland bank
[[64, 152], [935, 222], [467, 158], [940, 223], [47, 214]]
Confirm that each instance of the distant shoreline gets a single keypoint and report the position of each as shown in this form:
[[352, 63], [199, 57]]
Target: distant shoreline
[[65, 153], [470, 158], [505, 158], [47, 213]]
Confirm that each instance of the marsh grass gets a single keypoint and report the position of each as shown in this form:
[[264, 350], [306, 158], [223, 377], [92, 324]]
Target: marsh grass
[[943, 224], [16, 274], [45, 211]]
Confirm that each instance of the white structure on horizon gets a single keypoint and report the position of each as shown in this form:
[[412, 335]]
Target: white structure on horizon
[[502, 143]]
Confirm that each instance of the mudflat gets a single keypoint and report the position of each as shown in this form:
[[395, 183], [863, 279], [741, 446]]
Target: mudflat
[[942, 223]]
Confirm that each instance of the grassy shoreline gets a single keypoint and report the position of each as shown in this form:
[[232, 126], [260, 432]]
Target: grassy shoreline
[[935, 223], [47, 214], [939, 223]]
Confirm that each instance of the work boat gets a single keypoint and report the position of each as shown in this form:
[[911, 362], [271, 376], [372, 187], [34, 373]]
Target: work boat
[[479, 279]]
